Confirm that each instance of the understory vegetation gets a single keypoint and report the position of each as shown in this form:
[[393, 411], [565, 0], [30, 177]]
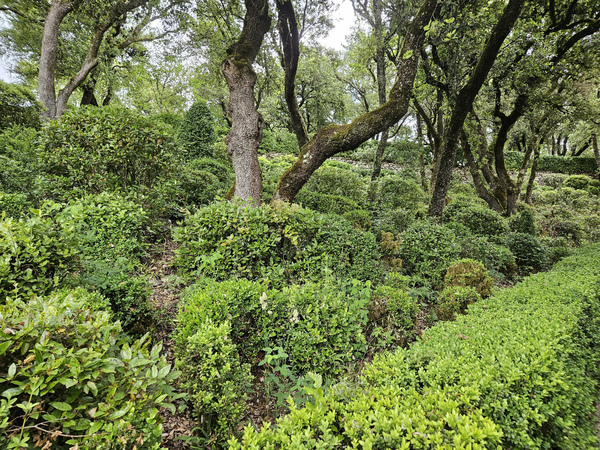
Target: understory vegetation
[[345, 320]]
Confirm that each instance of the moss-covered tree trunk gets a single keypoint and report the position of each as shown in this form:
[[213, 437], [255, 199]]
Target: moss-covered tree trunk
[[334, 139], [246, 122]]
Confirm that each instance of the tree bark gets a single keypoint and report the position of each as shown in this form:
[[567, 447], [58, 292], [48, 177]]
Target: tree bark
[[288, 30], [333, 139], [246, 122], [49, 51], [464, 102], [595, 147]]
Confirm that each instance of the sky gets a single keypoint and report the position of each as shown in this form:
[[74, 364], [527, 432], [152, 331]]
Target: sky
[[343, 22]]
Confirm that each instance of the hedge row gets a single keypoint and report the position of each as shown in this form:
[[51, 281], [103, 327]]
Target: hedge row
[[520, 370], [557, 164]]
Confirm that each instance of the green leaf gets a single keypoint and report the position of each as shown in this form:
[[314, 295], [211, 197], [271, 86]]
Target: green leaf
[[12, 370], [407, 55], [61, 406], [117, 414]]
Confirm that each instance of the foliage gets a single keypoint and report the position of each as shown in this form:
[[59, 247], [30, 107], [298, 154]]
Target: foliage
[[555, 164], [215, 380], [523, 222], [395, 191], [326, 203], [68, 379], [14, 205], [278, 241], [499, 260], [38, 253], [19, 160], [478, 218], [454, 300], [18, 107], [392, 316], [197, 133], [92, 150], [427, 250], [469, 273], [360, 218], [530, 254], [577, 182], [319, 325], [335, 180], [522, 360], [278, 141], [112, 234]]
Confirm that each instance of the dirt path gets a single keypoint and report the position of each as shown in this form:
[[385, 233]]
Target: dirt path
[[164, 298]]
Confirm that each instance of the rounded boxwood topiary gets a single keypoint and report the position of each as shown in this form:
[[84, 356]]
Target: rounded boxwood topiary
[[478, 218]]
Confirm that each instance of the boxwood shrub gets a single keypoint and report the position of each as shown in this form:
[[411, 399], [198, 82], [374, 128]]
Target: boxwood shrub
[[519, 370]]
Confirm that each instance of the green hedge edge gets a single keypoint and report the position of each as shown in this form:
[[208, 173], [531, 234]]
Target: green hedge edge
[[519, 370]]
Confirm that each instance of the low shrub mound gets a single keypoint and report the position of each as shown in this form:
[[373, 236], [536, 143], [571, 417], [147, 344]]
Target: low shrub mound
[[279, 242], [478, 218], [519, 370], [69, 380], [469, 273]]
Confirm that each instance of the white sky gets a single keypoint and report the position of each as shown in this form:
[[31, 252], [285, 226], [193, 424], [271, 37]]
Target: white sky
[[344, 20]]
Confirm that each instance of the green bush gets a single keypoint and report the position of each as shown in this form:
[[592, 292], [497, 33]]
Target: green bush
[[454, 300], [326, 203], [319, 325], [530, 254], [577, 182], [397, 191], [427, 250], [92, 150], [38, 253], [499, 260], [332, 180], [197, 133], [519, 370], [18, 107], [68, 380], [561, 164], [20, 164], [360, 218], [279, 141], [524, 222], [14, 205], [223, 173], [469, 273], [478, 218], [110, 226], [280, 242], [392, 316], [215, 380]]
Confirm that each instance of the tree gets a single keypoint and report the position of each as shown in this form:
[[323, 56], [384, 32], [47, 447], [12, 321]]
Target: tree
[[75, 37], [197, 133]]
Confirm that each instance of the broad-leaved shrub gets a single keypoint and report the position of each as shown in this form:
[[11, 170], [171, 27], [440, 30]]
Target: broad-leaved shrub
[[69, 379]]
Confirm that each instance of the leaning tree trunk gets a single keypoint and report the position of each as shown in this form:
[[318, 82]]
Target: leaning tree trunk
[[464, 103], [334, 139], [595, 147], [246, 122]]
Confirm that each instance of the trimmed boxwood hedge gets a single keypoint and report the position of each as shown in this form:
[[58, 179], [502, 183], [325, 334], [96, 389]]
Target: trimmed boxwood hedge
[[520, 370]]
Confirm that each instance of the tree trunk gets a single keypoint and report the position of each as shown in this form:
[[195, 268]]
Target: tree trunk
[[424, 182], [534, 164], [381, 81], [49, 51], [464, 102], [333, 139], [288, 30], [247, 123]]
